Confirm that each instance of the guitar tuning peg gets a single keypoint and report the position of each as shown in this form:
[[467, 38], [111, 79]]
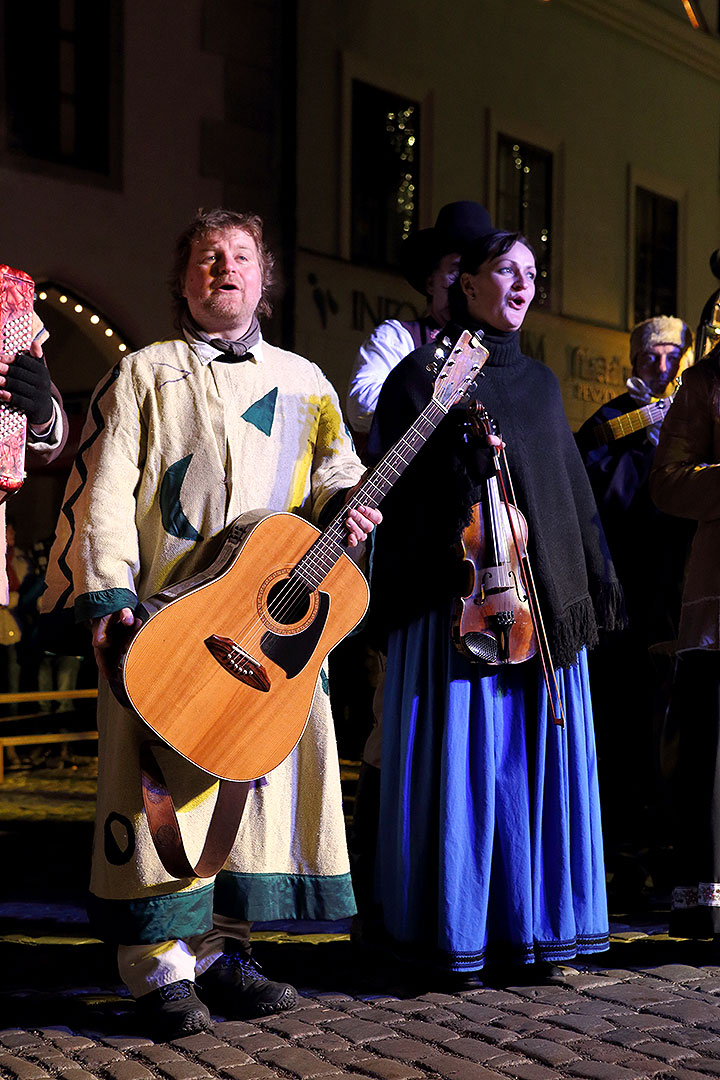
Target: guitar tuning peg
[[432, 368], [439, 354], [447, 342]]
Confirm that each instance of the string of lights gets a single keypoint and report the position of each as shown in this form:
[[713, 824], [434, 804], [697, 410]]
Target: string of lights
[[81, 312], [401, 131]]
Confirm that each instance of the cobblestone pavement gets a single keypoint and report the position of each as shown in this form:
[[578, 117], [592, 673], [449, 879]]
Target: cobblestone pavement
[[364, 1018], [648, 1008]]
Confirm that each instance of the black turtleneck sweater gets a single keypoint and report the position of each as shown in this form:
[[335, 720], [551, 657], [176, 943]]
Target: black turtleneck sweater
[[415, 562]]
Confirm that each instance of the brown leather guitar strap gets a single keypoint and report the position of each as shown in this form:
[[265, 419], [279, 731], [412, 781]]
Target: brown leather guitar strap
[[164, 827]]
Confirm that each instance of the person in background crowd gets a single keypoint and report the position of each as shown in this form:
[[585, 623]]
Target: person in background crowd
[[182, 438], [684, 481], [25, 384], [631, 672]]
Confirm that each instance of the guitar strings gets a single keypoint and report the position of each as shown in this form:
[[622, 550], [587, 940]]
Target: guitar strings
[[328, 547], [325, 551]]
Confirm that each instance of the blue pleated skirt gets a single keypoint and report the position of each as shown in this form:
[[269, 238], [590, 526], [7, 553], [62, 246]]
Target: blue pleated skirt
[[490, 843]]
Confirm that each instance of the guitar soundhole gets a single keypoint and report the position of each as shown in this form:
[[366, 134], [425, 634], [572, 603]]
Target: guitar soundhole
[[288, 601]]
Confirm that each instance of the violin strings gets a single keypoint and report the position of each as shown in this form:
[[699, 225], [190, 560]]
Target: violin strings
[[502, 552], [534, 606]]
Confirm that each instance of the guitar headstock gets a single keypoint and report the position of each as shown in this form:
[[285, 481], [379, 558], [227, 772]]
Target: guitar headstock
[[462, 365]]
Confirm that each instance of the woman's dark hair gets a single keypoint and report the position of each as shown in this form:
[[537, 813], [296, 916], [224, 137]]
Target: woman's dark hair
[[207, 221], [488, 247]]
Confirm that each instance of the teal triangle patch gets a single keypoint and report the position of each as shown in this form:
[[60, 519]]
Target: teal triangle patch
[[262, 412]]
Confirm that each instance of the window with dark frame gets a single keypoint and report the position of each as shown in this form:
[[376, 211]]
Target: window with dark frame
[[524, 203], [385, 162], [656, 255], [60, 110]]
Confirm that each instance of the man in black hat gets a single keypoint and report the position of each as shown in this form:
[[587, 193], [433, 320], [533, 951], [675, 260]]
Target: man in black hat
[[430, 260]]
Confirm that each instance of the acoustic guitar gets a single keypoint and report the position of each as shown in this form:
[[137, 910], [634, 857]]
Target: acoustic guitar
[[225, 665]]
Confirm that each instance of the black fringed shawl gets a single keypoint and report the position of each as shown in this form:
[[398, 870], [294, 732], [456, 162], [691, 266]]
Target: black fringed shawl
[[415, 562]]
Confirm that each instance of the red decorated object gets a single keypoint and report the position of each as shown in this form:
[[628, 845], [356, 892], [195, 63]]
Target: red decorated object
[[17, 292]]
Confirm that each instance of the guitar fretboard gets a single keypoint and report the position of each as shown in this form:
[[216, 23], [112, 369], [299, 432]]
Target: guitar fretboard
[[630, 422], [327, 549]]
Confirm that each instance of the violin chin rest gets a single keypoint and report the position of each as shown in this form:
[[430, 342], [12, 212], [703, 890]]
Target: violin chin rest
[[482, 645]]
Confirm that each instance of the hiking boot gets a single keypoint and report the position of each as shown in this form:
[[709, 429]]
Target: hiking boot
[[172, 1011], [235, 987]]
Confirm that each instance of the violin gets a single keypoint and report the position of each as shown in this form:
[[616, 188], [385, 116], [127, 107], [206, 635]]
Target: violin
[[497, 619], [493, 620]]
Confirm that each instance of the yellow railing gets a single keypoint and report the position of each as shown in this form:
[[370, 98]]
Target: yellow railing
[[50, 737]]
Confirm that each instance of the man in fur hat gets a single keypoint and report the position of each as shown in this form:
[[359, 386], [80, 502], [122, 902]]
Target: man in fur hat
[[630, 674], [619, 463]]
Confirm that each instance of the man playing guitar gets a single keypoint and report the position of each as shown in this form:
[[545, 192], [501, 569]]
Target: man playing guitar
[[181, 439]]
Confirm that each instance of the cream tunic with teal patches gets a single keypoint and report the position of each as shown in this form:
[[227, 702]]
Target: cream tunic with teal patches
[[174, 449]]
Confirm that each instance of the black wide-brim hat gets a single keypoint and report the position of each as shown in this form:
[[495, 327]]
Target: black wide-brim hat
[[457, 225]]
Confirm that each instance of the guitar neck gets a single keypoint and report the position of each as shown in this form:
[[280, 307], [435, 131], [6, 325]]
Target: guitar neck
[[328, 548], [630, 422]]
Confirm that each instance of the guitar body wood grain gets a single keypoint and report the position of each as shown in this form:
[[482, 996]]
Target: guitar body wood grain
[[213, 718]]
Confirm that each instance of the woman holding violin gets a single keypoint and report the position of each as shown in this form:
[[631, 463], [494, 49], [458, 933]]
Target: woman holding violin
[[490, 849]]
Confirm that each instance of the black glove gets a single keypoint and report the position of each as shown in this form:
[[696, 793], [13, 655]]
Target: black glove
[[28, 381]]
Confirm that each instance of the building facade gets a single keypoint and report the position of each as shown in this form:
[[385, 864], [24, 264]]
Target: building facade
[[591, 124]]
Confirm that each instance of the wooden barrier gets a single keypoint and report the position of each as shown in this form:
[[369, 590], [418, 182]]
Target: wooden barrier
[[50, 737]]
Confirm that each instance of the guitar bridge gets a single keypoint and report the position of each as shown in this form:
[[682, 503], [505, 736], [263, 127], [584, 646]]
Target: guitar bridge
[[238, 663]]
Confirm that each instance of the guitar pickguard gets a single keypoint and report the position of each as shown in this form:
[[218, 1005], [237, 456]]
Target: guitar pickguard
[[291, 652]]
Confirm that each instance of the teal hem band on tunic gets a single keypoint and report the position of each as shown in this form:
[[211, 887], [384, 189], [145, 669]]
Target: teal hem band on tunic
[[93, 605], [158, 918], [267, 897]]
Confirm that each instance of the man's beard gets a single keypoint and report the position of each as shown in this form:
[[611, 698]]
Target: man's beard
[[229, 307]]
